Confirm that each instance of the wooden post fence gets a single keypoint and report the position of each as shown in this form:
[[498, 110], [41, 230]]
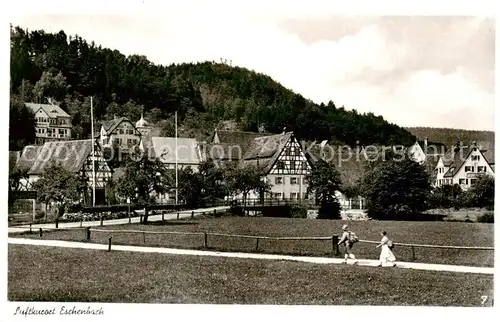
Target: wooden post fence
[[335, 245], [41, 232], [206, 242], [88, 233], [144, 237], [192, 214], [102, 220], [413, 253], [109, 244], [257, 245], [177, 215], [162, 216], [57, 222], [30, 229]]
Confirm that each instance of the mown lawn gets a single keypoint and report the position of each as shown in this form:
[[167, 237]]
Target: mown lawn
[[77, 275], [433, 233]]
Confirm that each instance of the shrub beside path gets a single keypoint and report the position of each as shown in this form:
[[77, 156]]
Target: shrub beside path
[[315, 260]]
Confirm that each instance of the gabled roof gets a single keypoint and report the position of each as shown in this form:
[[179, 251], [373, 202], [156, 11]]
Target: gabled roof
[[187, 149], [69, 154], [110, 125], [236, 138], [455, 160], [432, 147], [53, 111], [264, 151]]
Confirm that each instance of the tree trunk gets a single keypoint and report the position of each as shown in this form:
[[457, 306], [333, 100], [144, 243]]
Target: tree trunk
[[146, 213]]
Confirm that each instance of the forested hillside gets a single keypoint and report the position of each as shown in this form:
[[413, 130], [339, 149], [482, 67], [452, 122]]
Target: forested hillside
[[450, 136], [70, 70]]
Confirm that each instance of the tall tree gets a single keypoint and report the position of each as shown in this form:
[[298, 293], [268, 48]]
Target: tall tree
[[243, 180], [324, 181], [21, 125], [143, 177], [60, 186], [396, 189]]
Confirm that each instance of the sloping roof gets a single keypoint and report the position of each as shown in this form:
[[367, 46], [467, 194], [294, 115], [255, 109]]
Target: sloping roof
[[455, 160], [264, 151], [52, 111], [69, 154], [28, 156], [236, 138], [432, 147], [187, 149]]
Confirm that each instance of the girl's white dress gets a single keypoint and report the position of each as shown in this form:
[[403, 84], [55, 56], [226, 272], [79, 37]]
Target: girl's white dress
[[386, 254]]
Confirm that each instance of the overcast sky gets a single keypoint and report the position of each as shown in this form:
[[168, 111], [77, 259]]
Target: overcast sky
[[413, 70]]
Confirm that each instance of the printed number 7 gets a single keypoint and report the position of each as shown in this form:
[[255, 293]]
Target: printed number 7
[[484, 298]]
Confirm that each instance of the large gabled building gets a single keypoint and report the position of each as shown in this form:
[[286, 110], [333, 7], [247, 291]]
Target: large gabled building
[[119, 132], [279, 155], [75, 156], [52, 122]]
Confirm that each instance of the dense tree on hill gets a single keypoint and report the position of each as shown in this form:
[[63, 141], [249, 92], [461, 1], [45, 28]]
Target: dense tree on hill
[[21, 125], [207, 92], [449, 136]]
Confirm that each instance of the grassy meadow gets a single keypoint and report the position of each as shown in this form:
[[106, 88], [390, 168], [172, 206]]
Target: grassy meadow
[[433, 233], [38, 273]]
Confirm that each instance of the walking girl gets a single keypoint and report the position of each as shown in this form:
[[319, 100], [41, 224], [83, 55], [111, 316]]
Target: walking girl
[[387, 257]]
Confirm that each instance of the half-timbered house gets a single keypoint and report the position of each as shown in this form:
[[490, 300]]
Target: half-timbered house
[[281, 157], [75, 156]]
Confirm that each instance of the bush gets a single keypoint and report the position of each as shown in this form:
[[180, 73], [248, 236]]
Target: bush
[[329, 211], [487, 217], [40, 214], [298, 212]]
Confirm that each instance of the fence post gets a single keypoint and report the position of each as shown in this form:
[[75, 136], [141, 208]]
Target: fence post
[[57, 222], [102, 220], [109, 244], [177, 215], [215, 212], [335, 245], [205, 240], [413, 253], [30, 229], [81, 222], [144, 237], [192, 214], [162, 216], [88, 233], [40, 232], [140, 219], [257, 245]]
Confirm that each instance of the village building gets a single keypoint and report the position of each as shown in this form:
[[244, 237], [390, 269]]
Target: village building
[[74, 156], [422, 150], [463, 164], [119, 132], [280, 156], [52, 122]]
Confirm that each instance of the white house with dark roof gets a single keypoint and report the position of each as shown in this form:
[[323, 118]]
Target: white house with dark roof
[[188, 152], [463, 164], [75, 156], [52, 122], [119, 132]]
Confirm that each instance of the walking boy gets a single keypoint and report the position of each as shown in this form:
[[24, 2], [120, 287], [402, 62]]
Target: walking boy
[[348, 239]]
